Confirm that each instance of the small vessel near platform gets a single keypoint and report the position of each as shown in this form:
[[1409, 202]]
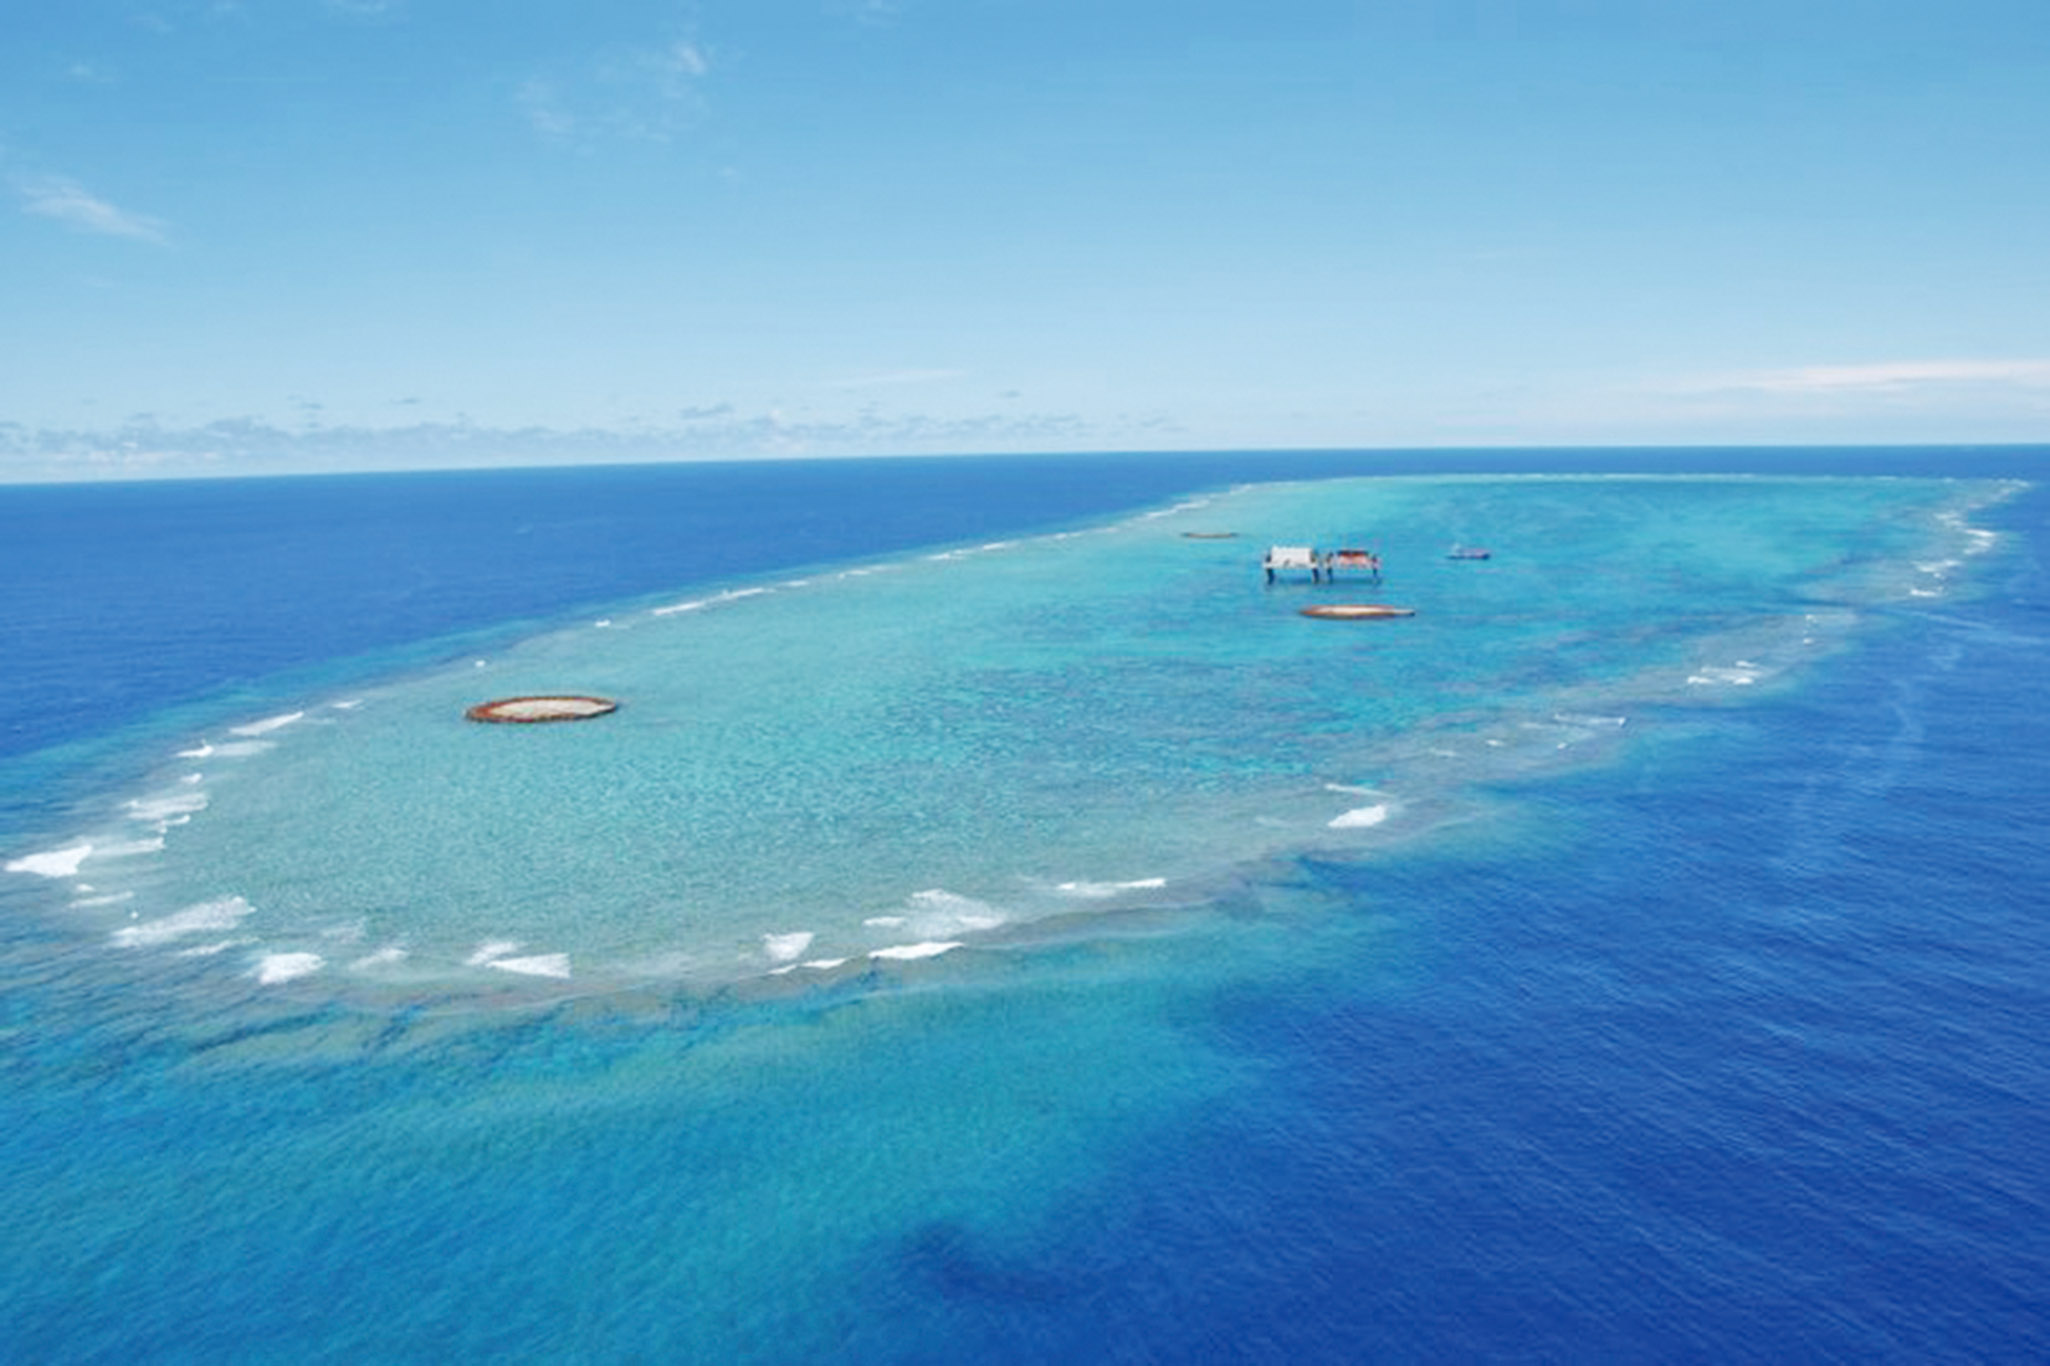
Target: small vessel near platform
[[1468, 552]]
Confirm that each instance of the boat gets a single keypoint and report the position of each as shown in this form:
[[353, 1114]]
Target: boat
[[1468, 552], [1356, 611]]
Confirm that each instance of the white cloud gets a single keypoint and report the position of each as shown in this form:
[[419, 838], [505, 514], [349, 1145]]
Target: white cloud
[[639, 94], [868, 11], [892, 378], [1897, 377], [683, 59], [545, 113], [142, 447], [69, 202]]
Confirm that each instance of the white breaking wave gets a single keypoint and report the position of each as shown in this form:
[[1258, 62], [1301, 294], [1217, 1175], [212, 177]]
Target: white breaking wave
[[209, 950], [111, 899], [781, 948], [273, 968], [1098, 891], [53, 863], [699, 604], [491, 950], [168, 808], [208, 916], [1981, 539], [942, 912], [1743, 676], [238, 749], [382, 958], [268, 725], [1360, 818], [129, 848], [822, 964], [538, 965], [906, 951]]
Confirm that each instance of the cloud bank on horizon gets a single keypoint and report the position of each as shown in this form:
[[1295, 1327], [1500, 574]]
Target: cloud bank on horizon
[[342, 234]]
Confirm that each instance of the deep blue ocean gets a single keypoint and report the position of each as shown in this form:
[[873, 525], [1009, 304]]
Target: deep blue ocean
[[997, 927]]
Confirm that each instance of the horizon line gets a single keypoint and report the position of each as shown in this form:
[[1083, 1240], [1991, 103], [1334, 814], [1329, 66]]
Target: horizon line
[[190, 476]]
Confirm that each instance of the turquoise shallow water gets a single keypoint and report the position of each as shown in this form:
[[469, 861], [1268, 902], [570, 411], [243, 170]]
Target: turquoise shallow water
[[980, 746], [1534, 976]]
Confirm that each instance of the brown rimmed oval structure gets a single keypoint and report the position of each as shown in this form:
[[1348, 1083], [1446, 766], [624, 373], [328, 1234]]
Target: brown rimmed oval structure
[[1357, 611], [527, 711]]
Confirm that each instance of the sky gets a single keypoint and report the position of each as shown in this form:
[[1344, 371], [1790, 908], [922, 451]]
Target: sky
[[261, 236]]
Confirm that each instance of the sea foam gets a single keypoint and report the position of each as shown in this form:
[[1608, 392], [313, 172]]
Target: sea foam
[[1099, 891], [53, 863], [910, 951], [273, 968], [267, 725], [1360, 817], [536, 965], [699, 604], [939, 911], [129, 848], [208, 916], [168, 808], [491, 950], [210, 950], [234, 749]]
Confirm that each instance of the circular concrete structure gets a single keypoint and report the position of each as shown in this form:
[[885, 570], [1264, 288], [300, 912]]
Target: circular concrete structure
[[1357, 611], [531, 710]]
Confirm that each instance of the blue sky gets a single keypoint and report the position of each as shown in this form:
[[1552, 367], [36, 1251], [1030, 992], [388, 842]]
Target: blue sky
[[243, 235]]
